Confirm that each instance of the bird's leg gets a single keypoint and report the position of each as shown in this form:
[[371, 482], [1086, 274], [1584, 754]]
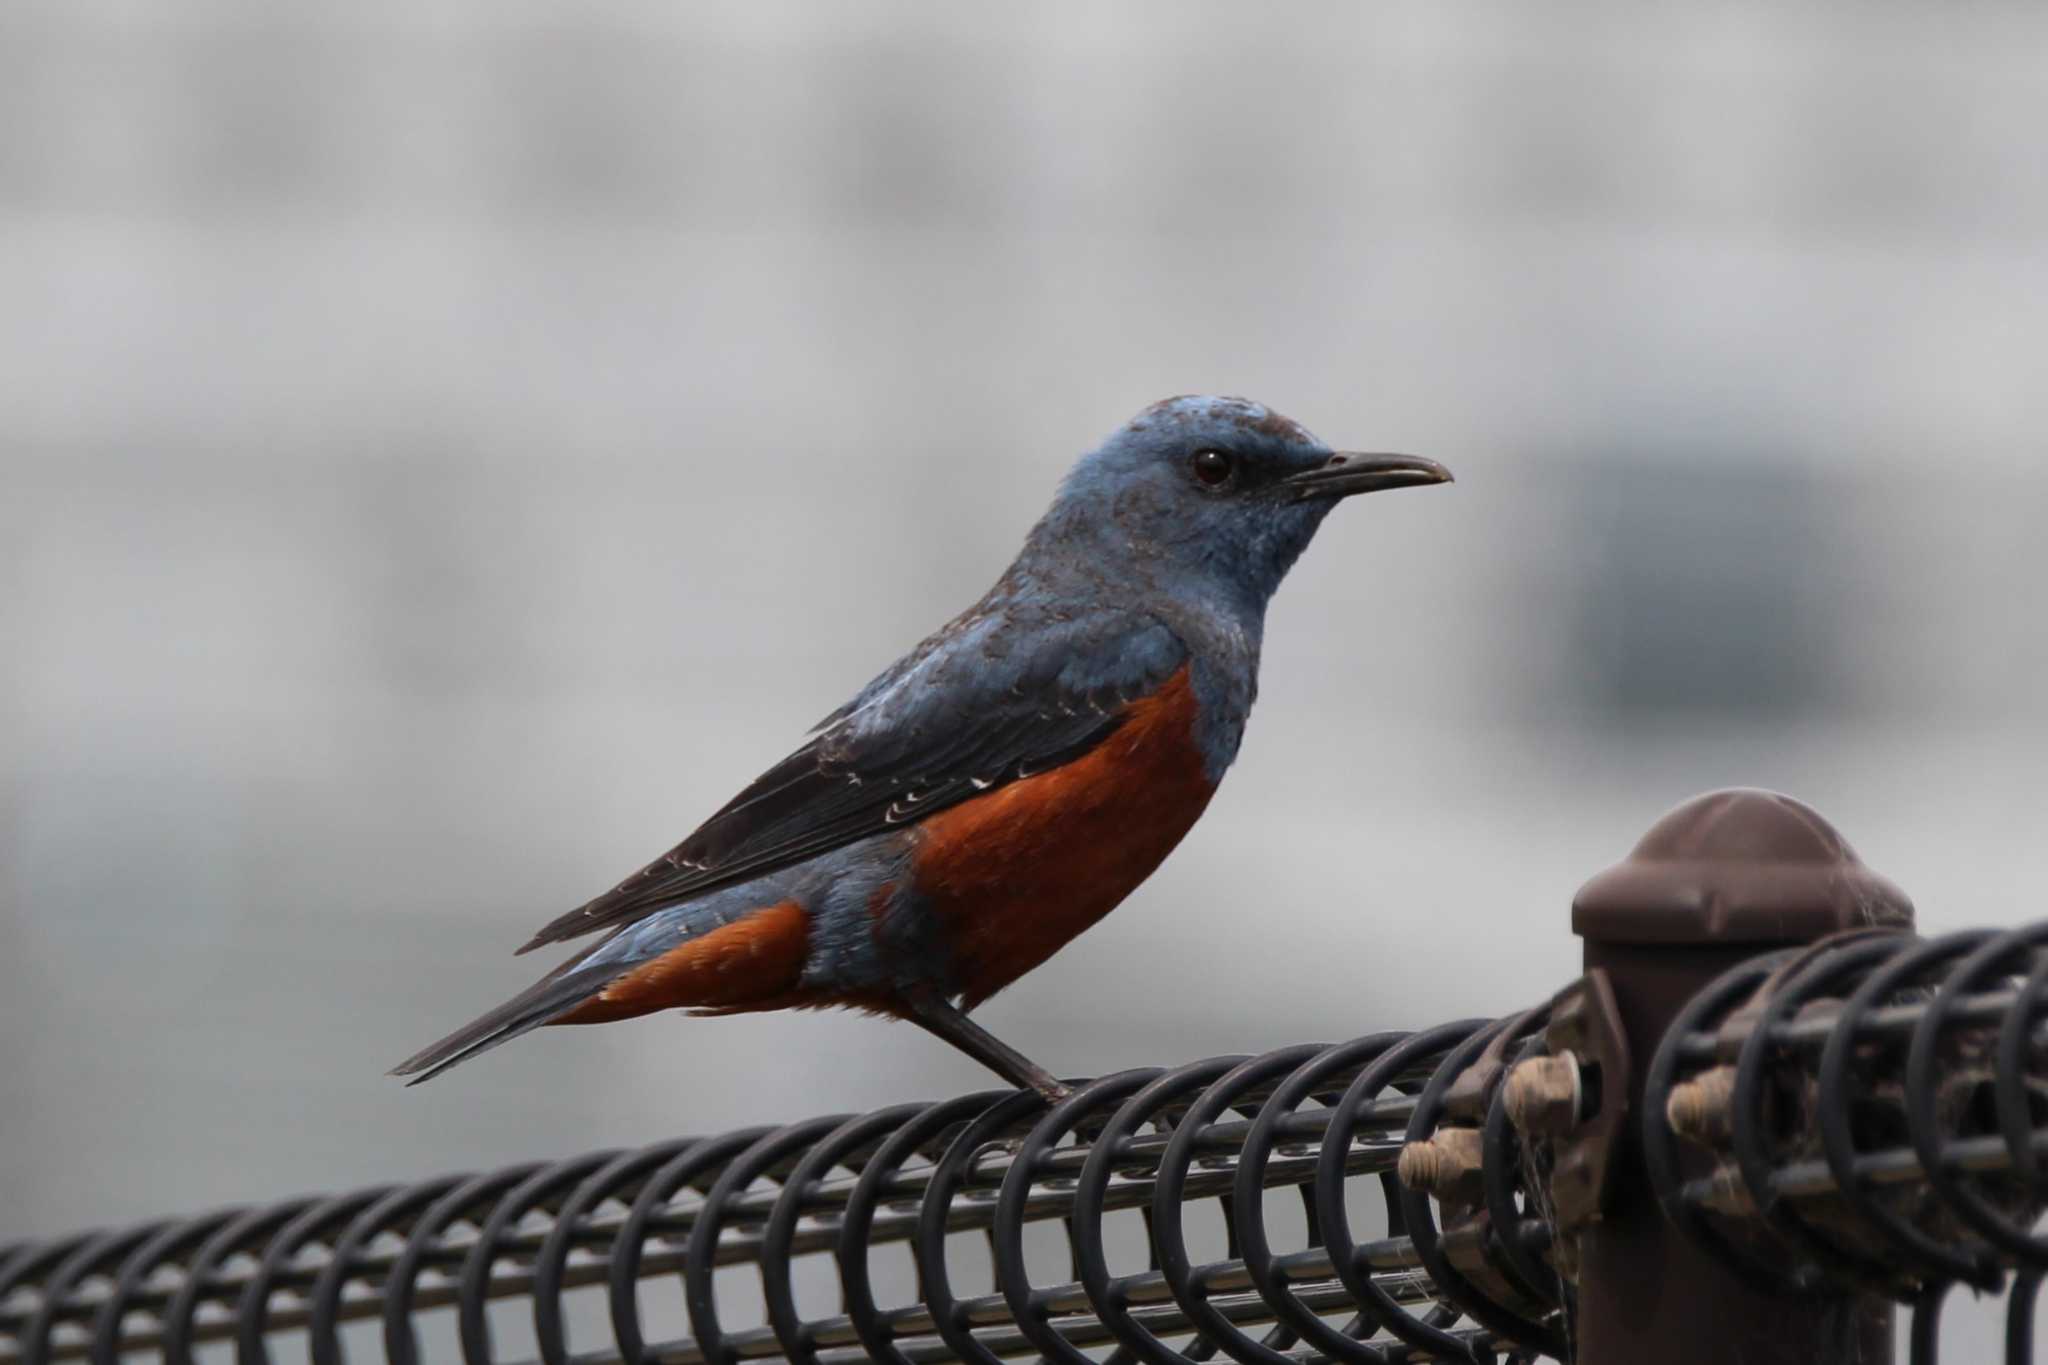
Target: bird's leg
[[941, 1020]]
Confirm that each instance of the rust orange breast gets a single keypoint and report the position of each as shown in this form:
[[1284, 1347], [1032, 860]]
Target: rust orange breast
[[1014, 875]]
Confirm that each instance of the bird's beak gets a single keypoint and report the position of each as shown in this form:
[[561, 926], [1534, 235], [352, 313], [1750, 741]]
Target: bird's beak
[[1346, 473]]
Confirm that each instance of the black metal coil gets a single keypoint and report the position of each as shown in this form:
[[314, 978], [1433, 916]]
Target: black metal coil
[[655, 1226], [1869, 1114]]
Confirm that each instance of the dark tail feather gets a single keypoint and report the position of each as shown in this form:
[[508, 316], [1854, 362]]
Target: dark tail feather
[[552, 996]]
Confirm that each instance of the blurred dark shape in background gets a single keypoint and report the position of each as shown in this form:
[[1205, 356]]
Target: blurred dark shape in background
[[1709, 591]]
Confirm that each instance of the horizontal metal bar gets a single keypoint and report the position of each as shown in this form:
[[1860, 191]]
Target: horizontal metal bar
[[1887, 1023]]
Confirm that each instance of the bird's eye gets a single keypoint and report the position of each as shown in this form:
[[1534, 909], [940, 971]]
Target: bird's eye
[[1213, 468]]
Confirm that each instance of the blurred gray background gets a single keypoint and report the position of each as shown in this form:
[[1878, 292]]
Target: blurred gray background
[[447, 448]]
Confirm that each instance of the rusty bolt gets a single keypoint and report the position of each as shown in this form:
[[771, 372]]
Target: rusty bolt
[[1543, 1095], [1699, 1109], [1446, 1165]]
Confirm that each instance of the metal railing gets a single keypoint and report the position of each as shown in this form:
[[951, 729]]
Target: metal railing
[[1323, 1120], [1868, 1116], [1714, 1145]]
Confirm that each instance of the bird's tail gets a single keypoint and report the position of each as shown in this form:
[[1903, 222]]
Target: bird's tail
[[547, 999]]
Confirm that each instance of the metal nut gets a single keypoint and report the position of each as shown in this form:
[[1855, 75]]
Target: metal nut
[[1446, 1165], [1543, 1094]]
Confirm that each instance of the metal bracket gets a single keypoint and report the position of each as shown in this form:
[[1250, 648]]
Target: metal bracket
[[1589, 1051]]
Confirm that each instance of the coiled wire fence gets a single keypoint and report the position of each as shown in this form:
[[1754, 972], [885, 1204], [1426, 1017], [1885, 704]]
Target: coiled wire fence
[[1868, 1115], [666, 1218], [1858, 1120]]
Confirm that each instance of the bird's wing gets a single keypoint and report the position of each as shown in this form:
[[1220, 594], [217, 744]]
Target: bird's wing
[[998, 695]]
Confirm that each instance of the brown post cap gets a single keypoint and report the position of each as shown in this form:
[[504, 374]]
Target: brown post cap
[[1737, 866]]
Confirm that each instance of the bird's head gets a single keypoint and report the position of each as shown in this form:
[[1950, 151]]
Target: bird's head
[[1220, 492]]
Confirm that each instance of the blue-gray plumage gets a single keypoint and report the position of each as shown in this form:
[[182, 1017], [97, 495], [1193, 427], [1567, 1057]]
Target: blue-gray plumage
[[1004, 784]]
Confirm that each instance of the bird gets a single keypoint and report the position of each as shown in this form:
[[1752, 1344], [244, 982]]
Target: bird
[[1002, 786]]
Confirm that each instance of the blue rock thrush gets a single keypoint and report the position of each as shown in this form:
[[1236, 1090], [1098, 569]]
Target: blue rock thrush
[[1002, 786]]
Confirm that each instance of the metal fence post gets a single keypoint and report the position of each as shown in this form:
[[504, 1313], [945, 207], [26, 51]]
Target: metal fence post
[[1721, 878]]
